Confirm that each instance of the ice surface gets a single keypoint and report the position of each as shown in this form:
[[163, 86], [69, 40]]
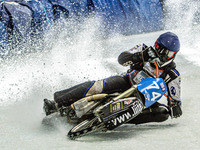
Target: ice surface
[[25, 81], [24, 85]]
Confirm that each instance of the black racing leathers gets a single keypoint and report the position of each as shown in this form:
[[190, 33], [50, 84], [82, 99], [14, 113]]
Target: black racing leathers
[[107, 85]]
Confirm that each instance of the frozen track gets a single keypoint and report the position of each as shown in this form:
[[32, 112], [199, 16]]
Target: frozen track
[[85, 56], [25, 83]]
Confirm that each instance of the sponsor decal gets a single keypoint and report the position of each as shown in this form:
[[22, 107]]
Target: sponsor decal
[[147, 95], [140, 78], [134, 72], [162, 86], [121, 118], [127, 102], [136, 109], [116, 106], [127, 63], [173, 90]]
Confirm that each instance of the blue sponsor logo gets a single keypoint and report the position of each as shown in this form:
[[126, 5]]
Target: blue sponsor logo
[[173, 90], [147, 96], [162, 86]]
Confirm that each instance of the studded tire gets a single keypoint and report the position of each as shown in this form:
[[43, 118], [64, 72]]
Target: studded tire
[[85, 127]]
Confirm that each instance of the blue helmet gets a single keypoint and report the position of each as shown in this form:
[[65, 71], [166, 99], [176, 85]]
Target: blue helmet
[[167, 46]]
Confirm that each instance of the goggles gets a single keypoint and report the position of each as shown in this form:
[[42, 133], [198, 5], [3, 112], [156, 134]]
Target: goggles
[[164, 52]]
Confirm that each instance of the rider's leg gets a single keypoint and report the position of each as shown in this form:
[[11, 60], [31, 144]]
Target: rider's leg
[[68, 96], [108, 85], [156, 113]]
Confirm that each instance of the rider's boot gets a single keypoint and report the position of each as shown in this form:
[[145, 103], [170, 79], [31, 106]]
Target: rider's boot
[[50, 107]]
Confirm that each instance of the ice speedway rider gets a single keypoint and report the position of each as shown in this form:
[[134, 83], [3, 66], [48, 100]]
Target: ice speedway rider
[[140, 57]]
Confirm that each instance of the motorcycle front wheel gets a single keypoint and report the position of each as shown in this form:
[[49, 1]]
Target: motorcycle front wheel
[[85, 127]]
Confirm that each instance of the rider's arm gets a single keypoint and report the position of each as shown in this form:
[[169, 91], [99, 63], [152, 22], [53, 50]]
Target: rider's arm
[[174, 90], [132, 56]]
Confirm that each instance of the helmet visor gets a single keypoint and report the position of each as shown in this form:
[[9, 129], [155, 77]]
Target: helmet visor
[[166, 53]]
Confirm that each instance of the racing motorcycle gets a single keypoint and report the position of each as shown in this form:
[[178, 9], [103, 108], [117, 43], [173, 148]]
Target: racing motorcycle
[[102, 112]]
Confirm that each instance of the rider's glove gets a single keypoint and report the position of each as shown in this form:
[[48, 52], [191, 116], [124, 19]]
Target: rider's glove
[[150, 55], [176, 109]]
